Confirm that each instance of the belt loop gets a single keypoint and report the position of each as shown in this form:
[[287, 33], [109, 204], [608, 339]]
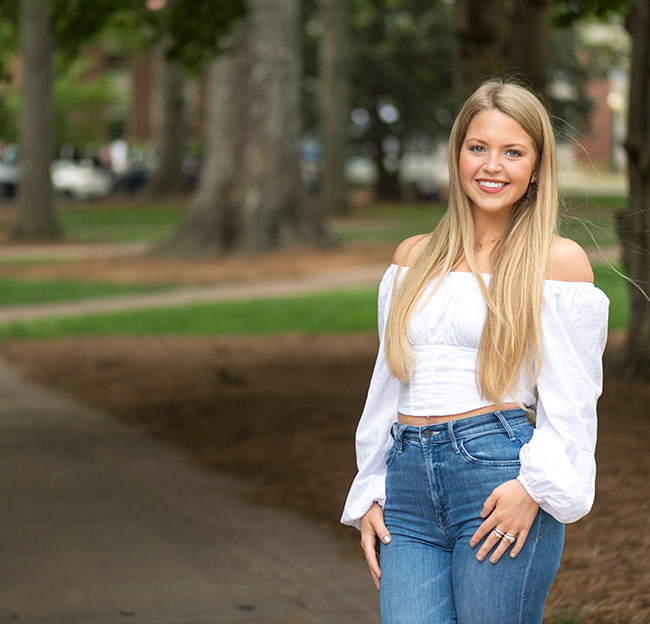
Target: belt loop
[[506, 425], [398, 436], [452, 436]]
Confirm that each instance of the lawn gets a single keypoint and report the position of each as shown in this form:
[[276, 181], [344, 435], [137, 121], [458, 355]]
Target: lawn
[[331, 312], [24, 292], [121, 222]]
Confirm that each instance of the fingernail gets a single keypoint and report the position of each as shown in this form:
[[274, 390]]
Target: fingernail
[[386, 539], [513, 555], [479, 557], [472, 544], [493, 559]]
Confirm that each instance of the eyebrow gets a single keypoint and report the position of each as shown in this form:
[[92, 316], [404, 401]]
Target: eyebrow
[[485, 143]]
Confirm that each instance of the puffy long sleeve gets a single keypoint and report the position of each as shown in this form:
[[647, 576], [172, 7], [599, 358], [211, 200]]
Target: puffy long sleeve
[[558, 467], [373, 439]]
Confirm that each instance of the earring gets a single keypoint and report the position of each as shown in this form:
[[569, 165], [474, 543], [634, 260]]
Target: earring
[[533, 179]]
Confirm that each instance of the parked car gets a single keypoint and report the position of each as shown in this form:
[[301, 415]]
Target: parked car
[[9, 170], [82, 180]]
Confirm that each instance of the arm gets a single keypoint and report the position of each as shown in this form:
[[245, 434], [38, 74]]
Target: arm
[[557, 465], [373, 439]]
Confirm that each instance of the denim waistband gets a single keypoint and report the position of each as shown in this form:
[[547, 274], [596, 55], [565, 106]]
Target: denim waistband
[[463, 427]]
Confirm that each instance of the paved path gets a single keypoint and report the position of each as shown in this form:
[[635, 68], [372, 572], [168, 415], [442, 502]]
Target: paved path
[[352, 277], [101, 523]]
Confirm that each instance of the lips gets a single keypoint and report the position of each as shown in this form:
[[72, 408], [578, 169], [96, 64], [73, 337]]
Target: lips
[[491, 186]]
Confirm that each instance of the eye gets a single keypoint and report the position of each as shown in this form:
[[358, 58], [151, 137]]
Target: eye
[[475, 148], [513, 152]]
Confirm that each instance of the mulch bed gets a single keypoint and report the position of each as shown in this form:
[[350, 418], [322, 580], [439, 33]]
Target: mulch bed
[[281, 412]]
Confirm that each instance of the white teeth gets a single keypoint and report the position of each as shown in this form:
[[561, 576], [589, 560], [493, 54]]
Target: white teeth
[[491, 184]]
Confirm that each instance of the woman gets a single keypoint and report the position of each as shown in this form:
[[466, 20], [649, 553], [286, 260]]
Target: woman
[[487, 324]]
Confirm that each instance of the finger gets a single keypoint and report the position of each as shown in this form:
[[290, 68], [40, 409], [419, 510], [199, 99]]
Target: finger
[[502, 546], [490, 542], [381, 530], [519, 544], [489, 505], [482, 531], [375, 580], [368, 545]]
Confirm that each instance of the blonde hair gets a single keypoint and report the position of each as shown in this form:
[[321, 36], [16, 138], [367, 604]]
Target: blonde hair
[[511, 336]]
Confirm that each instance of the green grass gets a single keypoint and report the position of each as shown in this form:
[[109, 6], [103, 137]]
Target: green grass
[[22, 292], [123, 223], [332, 312]]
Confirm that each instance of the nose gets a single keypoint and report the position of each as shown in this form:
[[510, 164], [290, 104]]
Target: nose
[[492, 162]]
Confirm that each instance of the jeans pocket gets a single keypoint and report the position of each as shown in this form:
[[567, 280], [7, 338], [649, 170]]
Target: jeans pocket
[[493, 448]]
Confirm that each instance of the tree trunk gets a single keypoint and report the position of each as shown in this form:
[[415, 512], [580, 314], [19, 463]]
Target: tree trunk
[[251, 195], [633, 225], [333, 96], [211, 224], [529, 51], [35, 216], [169, 125], [480, 30], [490, 42]]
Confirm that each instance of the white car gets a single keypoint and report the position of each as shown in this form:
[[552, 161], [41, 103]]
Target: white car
[[82, 180]]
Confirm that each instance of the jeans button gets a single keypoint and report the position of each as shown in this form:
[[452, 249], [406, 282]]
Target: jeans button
[[427, 433]]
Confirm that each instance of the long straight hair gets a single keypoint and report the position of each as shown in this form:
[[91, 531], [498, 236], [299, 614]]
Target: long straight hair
[[511, 336]]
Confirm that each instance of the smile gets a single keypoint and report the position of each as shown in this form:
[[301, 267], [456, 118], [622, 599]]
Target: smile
[[491, 187]]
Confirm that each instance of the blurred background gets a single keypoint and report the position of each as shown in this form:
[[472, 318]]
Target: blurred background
[[197, 201]]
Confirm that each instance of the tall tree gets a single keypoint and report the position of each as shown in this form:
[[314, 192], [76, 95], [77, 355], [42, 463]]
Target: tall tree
[[633, 227], [494, 38], [262, 203], [170, 133], [35, 217], [334, 107]]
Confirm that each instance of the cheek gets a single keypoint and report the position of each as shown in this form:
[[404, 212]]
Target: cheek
[[522, 172], [466, 169]]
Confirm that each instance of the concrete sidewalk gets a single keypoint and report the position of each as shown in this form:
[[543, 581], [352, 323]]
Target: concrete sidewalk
[[101, 523]]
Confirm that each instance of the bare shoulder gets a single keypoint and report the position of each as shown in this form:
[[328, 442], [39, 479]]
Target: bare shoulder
[[568, 262], [409, 248]]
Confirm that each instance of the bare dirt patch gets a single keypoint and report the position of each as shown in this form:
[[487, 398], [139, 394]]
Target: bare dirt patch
[[281, 411]]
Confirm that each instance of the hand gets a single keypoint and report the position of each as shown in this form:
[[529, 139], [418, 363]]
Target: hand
[[372, 529], [510, 508]]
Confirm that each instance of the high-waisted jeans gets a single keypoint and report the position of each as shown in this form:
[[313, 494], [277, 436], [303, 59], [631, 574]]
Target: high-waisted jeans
[[438, 477]]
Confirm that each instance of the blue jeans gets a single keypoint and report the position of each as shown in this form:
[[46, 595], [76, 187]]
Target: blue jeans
[[438, 477]]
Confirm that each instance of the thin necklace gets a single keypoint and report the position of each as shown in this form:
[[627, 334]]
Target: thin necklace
[[487, 242]]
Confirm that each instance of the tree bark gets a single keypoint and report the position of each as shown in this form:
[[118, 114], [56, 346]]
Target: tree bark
[[334, 107], [169, 125], [251, 195], [530, 42], [633, 224], [35, 216], [490, 42], [480, 30]]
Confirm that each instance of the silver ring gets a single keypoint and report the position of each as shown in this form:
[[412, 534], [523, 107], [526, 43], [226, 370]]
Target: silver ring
[[500, 534], [509, 537]]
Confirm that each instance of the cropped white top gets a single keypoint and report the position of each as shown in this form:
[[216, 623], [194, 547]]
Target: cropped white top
[[557, 465]]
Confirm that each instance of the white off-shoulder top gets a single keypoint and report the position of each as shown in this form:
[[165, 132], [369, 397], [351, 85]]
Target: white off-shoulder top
[[557, 465]]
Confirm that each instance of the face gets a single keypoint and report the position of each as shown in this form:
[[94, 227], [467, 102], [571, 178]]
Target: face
[[496, 162]]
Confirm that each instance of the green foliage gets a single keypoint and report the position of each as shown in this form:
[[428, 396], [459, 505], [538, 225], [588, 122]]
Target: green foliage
[[399, 55], [566, 12]]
